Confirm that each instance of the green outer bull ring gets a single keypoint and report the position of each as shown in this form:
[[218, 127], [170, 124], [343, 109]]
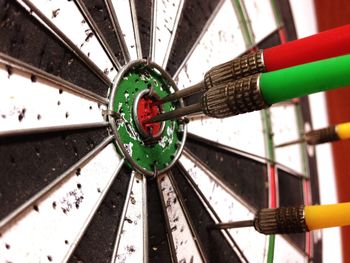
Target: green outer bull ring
[[181, 126]]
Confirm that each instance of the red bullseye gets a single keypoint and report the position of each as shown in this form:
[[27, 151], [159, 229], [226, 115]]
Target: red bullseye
[[145, 111]]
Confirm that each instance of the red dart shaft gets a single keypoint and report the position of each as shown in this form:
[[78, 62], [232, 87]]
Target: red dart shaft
[[327, 44]]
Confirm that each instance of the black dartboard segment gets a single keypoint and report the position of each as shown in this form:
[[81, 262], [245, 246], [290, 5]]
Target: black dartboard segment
[[29, 163], [144, 20], [24, 38], [98, 241], [291, 194], [271, 40], [158, 250], [99, 13], [214, 243], [194, 16], [245, 176], [285, 11]]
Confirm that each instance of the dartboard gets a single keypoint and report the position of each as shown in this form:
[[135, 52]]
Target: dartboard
[[84, 180]]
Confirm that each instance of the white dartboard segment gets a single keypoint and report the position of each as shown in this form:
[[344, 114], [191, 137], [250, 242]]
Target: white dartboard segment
[[50, 230], [285, 128], [244, 132], [66, 16], [130, 243], [285, 252], [29, 102], [166, 20], [221, 42], [182, 235], [261, 18], [123, 12]]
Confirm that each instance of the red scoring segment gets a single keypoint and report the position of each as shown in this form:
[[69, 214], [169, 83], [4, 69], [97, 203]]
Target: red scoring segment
[[146, 109], [331, 43]]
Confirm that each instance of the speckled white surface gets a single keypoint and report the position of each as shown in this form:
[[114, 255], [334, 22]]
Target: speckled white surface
[[25, 104], [184, 243], [131, 247]]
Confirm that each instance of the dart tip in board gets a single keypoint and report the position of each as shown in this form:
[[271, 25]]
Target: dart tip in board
[[145, 109]]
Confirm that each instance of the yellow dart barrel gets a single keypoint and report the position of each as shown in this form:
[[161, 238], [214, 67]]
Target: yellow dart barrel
[[323, 216], [343, 130]]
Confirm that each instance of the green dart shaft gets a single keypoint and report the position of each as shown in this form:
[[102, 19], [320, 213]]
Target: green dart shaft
[[280, 85]]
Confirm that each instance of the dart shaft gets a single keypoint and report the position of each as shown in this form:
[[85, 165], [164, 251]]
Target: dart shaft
[[305, 79], [343, 130], [327, 44], [324, 216]]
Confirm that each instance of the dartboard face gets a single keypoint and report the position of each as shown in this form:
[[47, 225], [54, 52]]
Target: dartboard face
[[83, 180]]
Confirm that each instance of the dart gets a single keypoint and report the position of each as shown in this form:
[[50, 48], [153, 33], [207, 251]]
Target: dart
[[331, 43], [328, 134], [297, 219], [261, 90]]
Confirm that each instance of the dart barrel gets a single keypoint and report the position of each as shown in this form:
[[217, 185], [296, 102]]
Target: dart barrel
[[320, 136], [243, 66], [281, 220], [234, 98]]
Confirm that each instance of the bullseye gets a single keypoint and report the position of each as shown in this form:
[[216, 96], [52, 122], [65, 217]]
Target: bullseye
[[145, 109]]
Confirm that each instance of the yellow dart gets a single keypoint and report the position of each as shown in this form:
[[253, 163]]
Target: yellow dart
[[296, 219], [328, 134]]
